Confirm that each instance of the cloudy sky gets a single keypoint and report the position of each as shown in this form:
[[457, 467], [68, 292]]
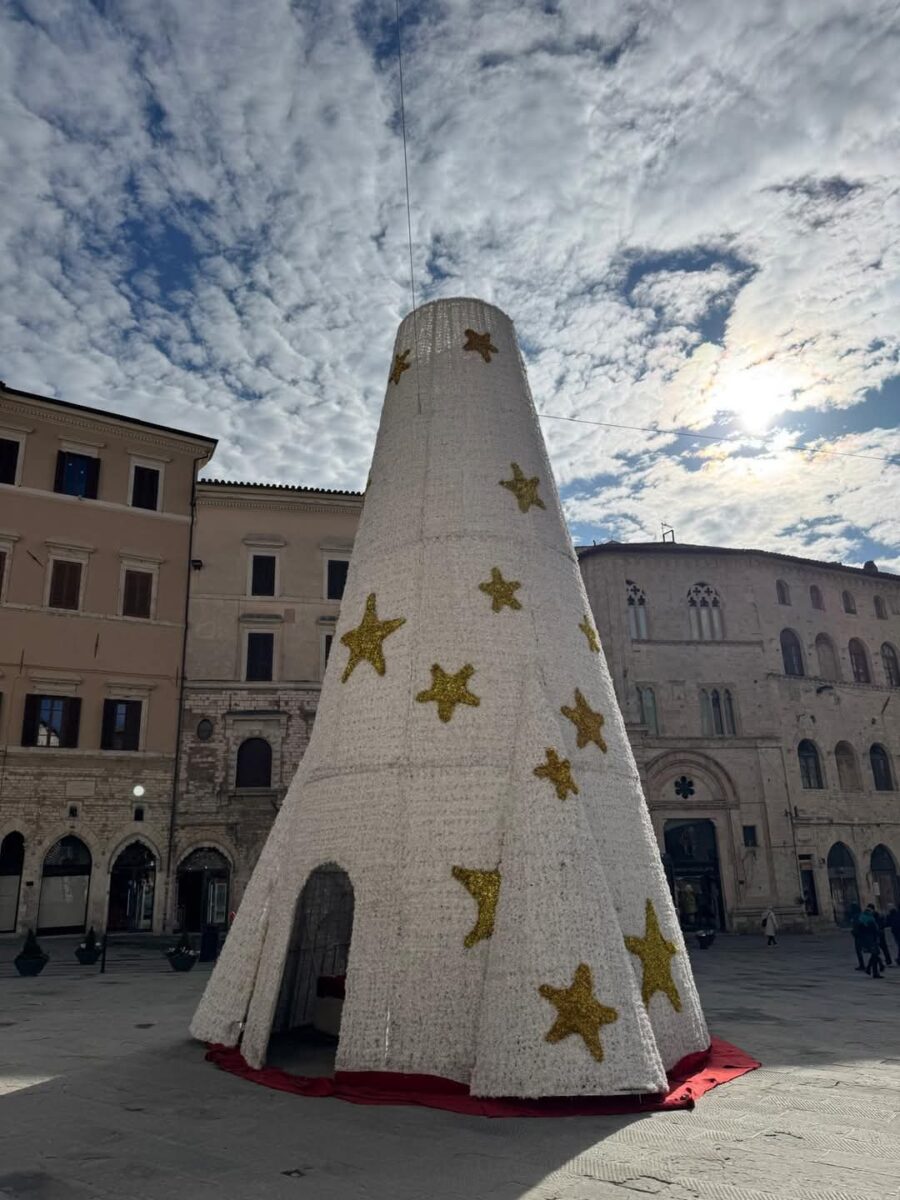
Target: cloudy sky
[[691, 210]]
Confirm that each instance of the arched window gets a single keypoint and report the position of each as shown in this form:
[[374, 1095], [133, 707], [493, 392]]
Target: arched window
[[881, 768], [647, 704], [12, 856], [891, 665], [847, 767], [842, 883], [815, 597], [848, 602], [791, 653], [254, 764], [827, 656], [717, 712], [859, 661], [810, 766], [782, 591], [880, 608], [637, 609], [705, 612]]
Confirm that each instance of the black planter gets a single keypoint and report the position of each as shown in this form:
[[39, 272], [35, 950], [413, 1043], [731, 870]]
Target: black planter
[[87, 957], [706, 939], [181, 962], [31, 966]]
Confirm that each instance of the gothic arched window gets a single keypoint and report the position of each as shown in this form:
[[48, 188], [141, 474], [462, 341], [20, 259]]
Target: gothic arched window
[[791, 653], [847, 767], [891, 665], [848, 602], [254, 764], [637, 609], [827, 656], [782, 591], [705, 612], [880, 608], [881, 768], [717, 712], [859, 661], [810, 766], [647, 705], [815, 597]]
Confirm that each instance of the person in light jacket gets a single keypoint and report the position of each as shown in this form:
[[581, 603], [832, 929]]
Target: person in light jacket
[[770, 927]]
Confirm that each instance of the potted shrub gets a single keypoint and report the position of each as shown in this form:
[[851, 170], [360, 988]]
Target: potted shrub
[[182, 955], [31, 959], [89, 950]]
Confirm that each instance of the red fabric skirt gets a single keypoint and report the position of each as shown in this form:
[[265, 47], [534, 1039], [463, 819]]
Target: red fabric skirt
[[688, 1080]]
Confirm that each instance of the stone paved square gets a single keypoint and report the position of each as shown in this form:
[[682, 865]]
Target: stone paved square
[[102, 1094]]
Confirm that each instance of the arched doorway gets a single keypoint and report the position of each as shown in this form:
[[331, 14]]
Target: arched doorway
[[132, 882], [692, 864], [312, 985], [202, 897], [12, 855], [886, 884], [65, 881], [842, 881]]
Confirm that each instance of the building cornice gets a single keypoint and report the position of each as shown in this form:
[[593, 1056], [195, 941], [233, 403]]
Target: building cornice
[[281, 503]]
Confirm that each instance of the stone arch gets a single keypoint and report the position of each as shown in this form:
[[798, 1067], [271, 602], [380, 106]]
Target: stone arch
[[885, 880], [12, 862], [202, 886], [132, 884], [842, 880], [67, 870]]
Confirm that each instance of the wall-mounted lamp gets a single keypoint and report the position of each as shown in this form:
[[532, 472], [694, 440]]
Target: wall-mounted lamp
[[197, 564]]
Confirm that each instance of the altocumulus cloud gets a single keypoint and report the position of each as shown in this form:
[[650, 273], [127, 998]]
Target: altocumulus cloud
[[689, 210]]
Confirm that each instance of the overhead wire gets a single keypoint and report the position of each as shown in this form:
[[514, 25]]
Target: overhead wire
[[714, 437]]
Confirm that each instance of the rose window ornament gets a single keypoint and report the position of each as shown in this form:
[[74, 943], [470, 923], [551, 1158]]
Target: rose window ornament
[[684, 787]]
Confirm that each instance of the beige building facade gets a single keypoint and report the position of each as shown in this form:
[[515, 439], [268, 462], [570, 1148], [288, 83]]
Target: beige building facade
[[762, 698], [95, 529], [269, 565]]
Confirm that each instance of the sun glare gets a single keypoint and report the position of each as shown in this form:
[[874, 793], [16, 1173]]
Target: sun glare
[[755, 394]]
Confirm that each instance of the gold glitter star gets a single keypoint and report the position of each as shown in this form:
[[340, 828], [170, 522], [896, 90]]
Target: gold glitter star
[[484, 888], [449, 690], [590, 633], [655, 953], [481, 343], [400, 365], [558, 771], [364, 642], [524, 490], [578, 1011], [500, 591], [586, 721]]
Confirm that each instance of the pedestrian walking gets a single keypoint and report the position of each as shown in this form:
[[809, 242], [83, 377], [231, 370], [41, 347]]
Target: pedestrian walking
[[892, 920], [770, 927], [882, 934], [855, 915], [870, 943]]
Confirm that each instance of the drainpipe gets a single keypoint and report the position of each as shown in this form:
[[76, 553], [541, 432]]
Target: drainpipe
[[179, 723]]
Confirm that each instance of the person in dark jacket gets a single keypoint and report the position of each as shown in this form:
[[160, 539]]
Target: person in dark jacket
[[855, 914], [882, 933], [893, 923], [870, 943]]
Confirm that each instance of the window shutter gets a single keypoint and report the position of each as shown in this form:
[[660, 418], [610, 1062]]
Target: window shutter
[[92, 478], [30, 721], [71, 722], [60, 470], [132, 736], [106, 732]]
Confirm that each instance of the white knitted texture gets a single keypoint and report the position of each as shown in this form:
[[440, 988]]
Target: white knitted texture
[[397, 798]]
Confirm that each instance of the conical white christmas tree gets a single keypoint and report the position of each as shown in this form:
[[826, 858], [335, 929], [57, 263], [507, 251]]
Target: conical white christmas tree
[[469, 770]]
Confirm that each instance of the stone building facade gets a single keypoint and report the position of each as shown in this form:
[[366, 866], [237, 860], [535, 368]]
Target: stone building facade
[[95, 530], [269, 567], [762, 698]]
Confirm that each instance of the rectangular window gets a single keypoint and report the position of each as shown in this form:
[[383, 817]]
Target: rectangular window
[[262, 575], [9, 459], [260, 652], [145, 488], [337, 578], [750, 836], [65, 583], [137, 593], [51, 721], [121, 725], [77, 474]]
